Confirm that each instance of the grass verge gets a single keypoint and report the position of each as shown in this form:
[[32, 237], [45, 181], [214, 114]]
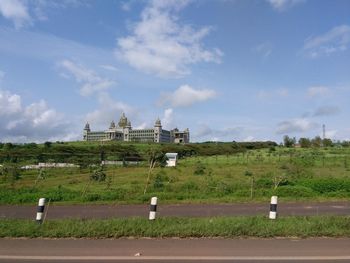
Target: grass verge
[[229, 227]]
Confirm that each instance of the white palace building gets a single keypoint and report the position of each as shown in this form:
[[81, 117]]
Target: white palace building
[[124, 132]]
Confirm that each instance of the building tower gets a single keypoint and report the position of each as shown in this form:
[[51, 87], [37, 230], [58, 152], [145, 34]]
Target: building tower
[[110, 133], [86, 131], [126, 132], [157, 131]]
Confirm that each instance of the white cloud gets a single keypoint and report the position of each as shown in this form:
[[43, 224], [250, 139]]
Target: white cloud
[[9, 103], [141, 126], [15, 10], [185, 96], [108, 110], [283, 92], [89, 80], [35, 122], [326, 111], [335, 40], [23, 12], [126, 6], [109, 67], [271, 94], [205, 132], [282, 5], [161, 45], [40, 114], [249, 139], [167, 119], [264, 49], [296, 125], [331, 134], [318, 91]]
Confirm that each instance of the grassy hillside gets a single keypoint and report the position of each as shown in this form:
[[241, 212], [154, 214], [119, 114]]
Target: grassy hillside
[[240, 175]]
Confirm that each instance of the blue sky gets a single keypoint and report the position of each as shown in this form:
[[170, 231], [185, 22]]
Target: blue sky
[[242, 70]]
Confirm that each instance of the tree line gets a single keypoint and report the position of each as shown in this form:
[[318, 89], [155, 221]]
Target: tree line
[[315, 142]]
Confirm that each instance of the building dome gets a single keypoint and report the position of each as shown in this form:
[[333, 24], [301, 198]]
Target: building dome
[[87, 127], [123, 122], [112, 126], [158, 123]]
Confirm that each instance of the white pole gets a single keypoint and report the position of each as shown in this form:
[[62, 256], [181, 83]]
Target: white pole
[[40, 211], [153, 208], [273, 207]]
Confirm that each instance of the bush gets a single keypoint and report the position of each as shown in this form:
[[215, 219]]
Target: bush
[[327, 185], [339, 194], [98, 175], [114, 195], [199, 168], [264, 183], [92, 197], [295, 191], [189, 186]]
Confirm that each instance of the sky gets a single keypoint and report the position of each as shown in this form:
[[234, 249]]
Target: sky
[[242, 70]]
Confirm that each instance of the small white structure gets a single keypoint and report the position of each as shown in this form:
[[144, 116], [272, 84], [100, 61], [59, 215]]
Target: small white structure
[[172, 159]]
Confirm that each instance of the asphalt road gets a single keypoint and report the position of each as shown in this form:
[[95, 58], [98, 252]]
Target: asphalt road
[[183, 210], [175, 250]]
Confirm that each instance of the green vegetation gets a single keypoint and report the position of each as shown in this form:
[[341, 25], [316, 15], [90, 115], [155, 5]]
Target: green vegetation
[[86, 153], [320, 226], [241, 172]]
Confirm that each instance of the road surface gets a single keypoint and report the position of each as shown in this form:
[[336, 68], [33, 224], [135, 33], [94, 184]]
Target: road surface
[[175, 250], [183, 210]]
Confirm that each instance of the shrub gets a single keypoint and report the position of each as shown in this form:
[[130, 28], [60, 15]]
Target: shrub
[[92, 197], [98, 175], [340, 194], [158, 181], [189, 186], [264, 183], [295, 191], [199, 168], [327, 185]]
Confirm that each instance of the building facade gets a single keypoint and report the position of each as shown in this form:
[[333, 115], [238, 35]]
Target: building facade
[[123, 131]]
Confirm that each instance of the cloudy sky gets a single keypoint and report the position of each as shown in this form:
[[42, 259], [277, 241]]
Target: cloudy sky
[[240, 70]]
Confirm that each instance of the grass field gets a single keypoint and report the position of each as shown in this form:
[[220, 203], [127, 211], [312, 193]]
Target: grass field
[[321, 226], [254, 175]]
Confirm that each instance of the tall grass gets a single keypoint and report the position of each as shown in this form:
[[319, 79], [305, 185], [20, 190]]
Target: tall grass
[[229, 227], [308, 174]]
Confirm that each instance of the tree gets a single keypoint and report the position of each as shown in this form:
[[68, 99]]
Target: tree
[[32, 145], [327, 142], [305, 142], [47, 144], [11, 170], [288, 141], [155, 157], [8, 146], [316, 142]]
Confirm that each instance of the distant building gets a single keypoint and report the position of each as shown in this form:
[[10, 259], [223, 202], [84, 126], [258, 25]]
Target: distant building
[[124, 132]]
